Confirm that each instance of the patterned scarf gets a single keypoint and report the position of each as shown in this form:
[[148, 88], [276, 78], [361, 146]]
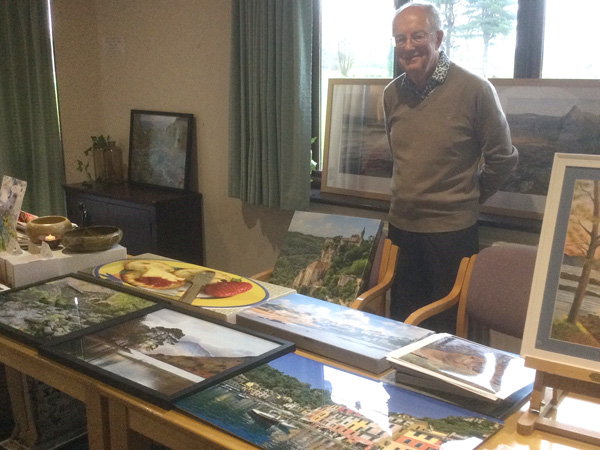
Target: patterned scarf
[[437, 77]]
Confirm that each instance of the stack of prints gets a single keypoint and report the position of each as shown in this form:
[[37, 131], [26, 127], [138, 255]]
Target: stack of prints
[[454, 364]]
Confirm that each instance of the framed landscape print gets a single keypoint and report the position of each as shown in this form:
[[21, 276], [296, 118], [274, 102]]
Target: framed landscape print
[[357, 160], [545, 117], [353, 337], [327, 256], [165, 354], [295, 402], [43, 312], [160, 148], [562, 330]]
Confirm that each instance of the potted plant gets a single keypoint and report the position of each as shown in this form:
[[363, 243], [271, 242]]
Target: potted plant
[[107, 161]]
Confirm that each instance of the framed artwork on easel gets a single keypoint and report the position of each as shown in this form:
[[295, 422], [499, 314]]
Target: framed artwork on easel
[[561, 339], [564, 312]]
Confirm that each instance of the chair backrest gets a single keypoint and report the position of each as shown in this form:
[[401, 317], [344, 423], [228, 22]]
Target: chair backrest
[[377, 268], [496, 289], [374, 299]]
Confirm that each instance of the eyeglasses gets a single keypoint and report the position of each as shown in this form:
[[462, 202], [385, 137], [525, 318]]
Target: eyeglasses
[[417, 38]]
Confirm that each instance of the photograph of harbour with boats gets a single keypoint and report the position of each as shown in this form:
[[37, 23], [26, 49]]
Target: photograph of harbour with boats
[[295, 403]]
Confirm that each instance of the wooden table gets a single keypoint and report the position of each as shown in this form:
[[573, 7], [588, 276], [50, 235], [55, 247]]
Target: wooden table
[[117, 420], [21, 360]]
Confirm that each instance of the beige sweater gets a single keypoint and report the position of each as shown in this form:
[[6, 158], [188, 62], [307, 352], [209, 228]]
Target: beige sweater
[[439, 176]]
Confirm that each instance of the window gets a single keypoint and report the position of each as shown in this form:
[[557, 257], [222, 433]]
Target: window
[[355, 43], [481, 34], [563, 58], [356, 39]]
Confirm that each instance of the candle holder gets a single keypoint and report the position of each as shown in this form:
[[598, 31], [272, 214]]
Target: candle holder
[[52, 240], [45, 225]]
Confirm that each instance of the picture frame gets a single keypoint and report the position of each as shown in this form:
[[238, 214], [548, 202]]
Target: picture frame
[[559, 336], [313, 240], [39, 313], [347, 335], [166, 353], [357, 160], [545, 117], [327, 405], [12, 193], [160, 149]]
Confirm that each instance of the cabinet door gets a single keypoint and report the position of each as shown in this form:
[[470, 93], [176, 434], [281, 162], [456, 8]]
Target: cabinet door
[[139, 234], [137, 224]]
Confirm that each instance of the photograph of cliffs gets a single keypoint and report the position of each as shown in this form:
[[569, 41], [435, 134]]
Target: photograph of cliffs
[[327, 256], [547, 117], [539, 137]]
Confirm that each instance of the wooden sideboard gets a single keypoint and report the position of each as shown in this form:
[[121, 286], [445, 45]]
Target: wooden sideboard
[[153, 220]]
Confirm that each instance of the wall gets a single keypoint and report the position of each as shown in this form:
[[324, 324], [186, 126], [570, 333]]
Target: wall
[[169, 56]]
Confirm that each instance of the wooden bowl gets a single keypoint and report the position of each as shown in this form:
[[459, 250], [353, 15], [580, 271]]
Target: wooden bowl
[[96, 238], [45, 225]]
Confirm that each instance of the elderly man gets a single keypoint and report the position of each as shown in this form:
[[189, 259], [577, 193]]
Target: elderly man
[[452, 150]]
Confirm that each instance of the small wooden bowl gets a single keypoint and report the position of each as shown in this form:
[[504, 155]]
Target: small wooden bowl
[[96, 238], [45, 225]]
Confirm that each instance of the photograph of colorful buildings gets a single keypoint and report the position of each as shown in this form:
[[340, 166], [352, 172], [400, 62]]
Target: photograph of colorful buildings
[[297, 403]]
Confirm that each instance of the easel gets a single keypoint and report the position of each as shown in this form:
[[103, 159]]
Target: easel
[[542, 405]]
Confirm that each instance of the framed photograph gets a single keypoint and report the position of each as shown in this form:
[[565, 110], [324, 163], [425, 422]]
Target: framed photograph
[[164, 354], [562, 330], [353, 337], [545, 117], [326, 407], [12, 193], [305, 260], [40, 313], [160, 148], [357, 159]]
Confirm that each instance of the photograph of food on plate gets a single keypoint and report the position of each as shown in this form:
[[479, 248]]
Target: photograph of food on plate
[[190, 283]]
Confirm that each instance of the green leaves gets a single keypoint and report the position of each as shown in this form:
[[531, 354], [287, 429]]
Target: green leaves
[[84, 166]]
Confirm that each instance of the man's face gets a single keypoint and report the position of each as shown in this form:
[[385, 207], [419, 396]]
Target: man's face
[[419, 59]]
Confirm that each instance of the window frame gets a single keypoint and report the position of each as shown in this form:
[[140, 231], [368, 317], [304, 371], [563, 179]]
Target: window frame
[[529, 49]]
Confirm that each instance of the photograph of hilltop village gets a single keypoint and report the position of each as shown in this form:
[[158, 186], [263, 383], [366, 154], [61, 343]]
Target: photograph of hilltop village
[[327, 256], [295, 403]]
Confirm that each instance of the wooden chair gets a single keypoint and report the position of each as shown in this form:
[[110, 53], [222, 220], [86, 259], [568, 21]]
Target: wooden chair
[[491, 288], [373, 300]]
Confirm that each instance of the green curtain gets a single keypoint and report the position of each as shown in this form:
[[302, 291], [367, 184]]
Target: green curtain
[[270, 102], [30, 144]]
